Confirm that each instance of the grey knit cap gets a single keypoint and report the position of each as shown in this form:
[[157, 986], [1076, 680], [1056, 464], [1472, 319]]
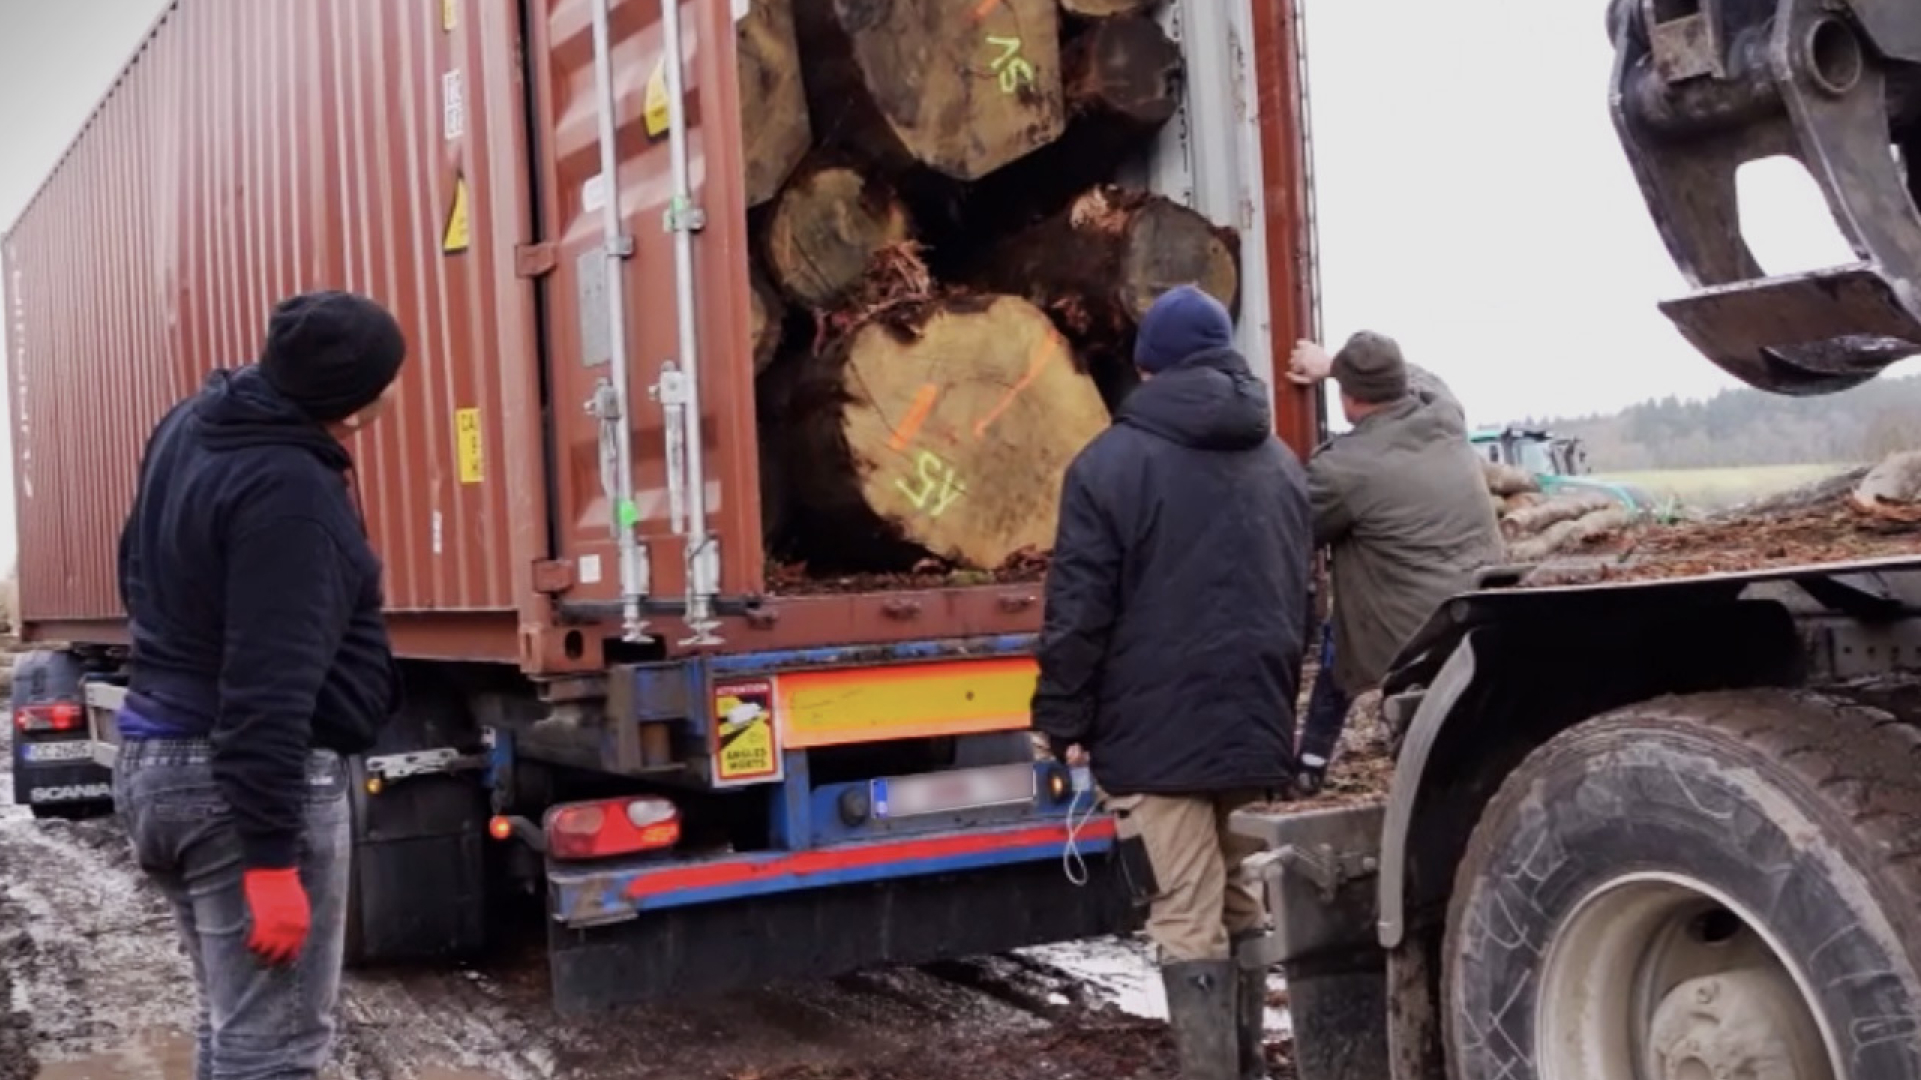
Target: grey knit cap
[[1370, 369]]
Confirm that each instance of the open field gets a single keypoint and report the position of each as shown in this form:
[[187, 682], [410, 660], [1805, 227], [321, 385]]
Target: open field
[[1713, 489]]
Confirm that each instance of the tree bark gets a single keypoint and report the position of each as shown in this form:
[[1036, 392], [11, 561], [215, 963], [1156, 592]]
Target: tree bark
[[940, 427], [1097, 266], [963, 87], [1530, 520], [1563, 535], [1507, 480], [825, 228], [1122, 77], [766, 318], [775, 130]]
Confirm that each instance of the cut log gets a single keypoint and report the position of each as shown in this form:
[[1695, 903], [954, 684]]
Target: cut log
[[1507, 480], [766, 318], [1566, 535], [825, 228], [1099, 265], [1530, 520], [963, 87], [775, 131], [1125, 72], [1123, 83], [942, 428], [1103, 9]]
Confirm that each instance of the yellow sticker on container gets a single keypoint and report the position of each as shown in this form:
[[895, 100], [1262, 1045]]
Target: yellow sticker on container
[[745, 749], [656, 101], [449, 15], [456, 234], [467, 445]]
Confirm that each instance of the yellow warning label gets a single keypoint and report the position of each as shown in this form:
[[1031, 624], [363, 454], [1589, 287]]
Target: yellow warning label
[[744, 745], [656, 101], [456, 234], [449, 14], [467, 445]]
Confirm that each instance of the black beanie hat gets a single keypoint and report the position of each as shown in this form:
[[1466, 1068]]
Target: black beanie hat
[[332, 353]]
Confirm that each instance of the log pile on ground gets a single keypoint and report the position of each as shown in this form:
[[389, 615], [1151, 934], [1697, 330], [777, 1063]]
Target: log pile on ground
[[946, 279], [1864, 514], [1538, 527]]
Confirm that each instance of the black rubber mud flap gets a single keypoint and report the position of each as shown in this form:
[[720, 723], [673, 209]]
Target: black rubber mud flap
[[810, 934], [1802, 810], [419, 887]]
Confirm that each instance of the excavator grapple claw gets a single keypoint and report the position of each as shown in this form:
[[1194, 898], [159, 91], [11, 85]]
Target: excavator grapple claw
[[1702, 87]]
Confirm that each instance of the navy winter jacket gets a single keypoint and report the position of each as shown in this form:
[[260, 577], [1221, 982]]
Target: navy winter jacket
[[1177, 598], [255, 602]]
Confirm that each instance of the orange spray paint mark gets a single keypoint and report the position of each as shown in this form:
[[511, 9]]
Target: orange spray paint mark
[[984, 9], [1044, 350], [917, 413]]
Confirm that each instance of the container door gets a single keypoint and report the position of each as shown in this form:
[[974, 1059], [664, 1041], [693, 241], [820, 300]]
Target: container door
[[626, 320]]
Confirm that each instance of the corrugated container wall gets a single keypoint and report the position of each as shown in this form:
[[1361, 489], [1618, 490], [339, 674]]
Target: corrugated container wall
[[444, 157], [252, 150]]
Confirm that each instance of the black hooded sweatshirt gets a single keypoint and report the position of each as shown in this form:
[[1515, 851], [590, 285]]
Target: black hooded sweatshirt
[[255, 602], [1177, 597]]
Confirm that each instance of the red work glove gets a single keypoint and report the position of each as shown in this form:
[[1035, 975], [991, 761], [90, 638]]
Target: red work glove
[[281, 916]]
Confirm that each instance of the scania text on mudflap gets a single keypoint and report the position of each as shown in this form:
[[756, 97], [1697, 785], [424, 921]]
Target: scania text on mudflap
[[54, 772]]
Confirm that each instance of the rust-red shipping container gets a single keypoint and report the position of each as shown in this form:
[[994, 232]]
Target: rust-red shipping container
[[444, 156]]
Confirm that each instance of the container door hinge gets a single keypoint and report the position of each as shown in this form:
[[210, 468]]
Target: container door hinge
[[535, 260]]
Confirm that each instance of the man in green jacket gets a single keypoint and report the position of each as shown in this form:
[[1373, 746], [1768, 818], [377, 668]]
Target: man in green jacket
[[1402, 501]]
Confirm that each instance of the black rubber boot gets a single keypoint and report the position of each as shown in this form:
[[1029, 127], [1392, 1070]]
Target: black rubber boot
[[1200, 1007], [1250, 1011]]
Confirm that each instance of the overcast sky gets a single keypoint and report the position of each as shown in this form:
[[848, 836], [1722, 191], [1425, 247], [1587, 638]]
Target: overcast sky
[[1473, 199]]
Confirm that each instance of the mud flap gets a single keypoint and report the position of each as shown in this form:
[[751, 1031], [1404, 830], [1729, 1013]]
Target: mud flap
[[419, 887], [807, 934], [1320, 870]]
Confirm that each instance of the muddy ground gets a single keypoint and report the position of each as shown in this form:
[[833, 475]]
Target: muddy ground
[[94, 987]]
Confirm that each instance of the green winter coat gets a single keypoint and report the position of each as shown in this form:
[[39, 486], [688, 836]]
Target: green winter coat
[[1402, 501]]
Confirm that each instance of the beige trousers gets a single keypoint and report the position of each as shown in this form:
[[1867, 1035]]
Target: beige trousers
[[1198, 897]]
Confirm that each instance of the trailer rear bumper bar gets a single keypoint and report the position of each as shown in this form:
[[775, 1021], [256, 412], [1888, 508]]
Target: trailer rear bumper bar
[[808, 933], [603, 894]]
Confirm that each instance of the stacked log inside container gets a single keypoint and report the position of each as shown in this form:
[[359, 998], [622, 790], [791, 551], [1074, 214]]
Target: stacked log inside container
[[946, 278]]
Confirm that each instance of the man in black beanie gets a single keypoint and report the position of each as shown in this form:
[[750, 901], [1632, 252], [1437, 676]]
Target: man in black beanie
[[259, 661], [1171, 651], [1403, 502]]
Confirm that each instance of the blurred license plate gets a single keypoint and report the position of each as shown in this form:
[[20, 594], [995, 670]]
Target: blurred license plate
[[945, 792], [68, 750]]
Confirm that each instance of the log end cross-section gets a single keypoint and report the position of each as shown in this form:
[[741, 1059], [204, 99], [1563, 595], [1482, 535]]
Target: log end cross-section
[[962, 87], [960, 432]]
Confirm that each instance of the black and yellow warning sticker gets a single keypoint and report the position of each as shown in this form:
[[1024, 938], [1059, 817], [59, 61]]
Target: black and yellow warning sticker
[[746, 747]]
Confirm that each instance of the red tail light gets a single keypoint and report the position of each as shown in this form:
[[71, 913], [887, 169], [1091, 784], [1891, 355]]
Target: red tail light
[[594, 830], [61, 717]]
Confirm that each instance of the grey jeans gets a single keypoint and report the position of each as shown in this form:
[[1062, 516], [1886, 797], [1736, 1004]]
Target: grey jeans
[[255, 1021]]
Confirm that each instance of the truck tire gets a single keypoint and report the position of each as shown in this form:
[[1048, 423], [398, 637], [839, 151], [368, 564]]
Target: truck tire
[[1721, 885]]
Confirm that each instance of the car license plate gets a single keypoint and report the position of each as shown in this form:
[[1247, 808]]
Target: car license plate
[[946, 792], [65, 750]]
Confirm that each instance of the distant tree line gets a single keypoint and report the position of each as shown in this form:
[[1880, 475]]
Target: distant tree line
[[1747, 427]]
